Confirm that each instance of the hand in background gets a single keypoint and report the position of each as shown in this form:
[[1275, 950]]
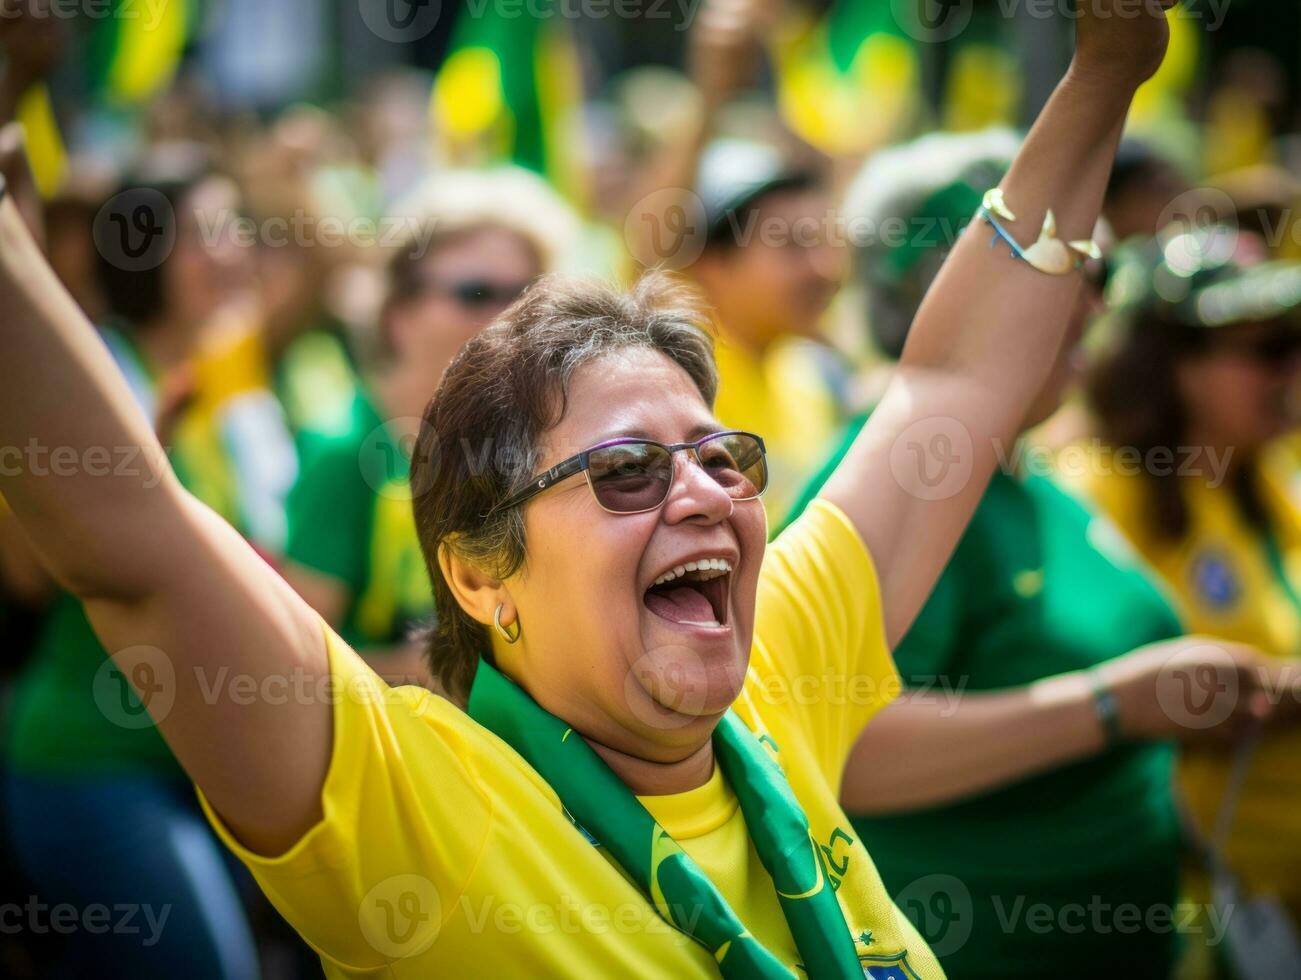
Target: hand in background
[[1194, 689], [725, 46]]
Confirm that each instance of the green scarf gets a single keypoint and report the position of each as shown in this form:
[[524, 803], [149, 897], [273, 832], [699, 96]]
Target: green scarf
[[601, 805]]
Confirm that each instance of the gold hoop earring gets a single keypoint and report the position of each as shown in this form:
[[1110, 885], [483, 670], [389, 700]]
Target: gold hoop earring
[[502, 631]]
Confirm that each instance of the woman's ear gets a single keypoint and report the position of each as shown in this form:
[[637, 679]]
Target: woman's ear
[[477, 592]]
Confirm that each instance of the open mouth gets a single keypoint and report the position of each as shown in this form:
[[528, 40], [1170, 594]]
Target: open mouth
[[692, 594]]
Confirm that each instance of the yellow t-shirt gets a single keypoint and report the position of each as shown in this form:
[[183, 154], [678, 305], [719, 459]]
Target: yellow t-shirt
[[442, 853], [1223, 585], [784, 397]]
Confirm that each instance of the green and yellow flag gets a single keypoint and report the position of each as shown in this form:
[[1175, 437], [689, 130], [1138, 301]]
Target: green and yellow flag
[[849, 81], [135, 50], [510, 91]]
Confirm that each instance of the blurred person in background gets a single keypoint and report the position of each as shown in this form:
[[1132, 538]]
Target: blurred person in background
[[474, 242], [1143, 187], [1026, 760], [97, 810], [769, 270], [768, 262], [1191, 398]]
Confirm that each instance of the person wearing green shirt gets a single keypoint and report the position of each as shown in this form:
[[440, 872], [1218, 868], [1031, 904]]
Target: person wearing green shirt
[[1016, 797], [474, 242]]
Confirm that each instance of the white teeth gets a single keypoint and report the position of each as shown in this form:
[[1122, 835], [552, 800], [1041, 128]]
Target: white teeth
[[710, 623], [716, 566]]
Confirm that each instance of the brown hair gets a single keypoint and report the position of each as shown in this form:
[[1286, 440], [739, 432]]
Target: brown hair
[[505, 388], [1134, 394]]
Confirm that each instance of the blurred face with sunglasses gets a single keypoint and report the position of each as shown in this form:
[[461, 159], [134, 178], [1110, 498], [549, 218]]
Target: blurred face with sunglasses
[[645, 537], [455, 291], [1238, 384]]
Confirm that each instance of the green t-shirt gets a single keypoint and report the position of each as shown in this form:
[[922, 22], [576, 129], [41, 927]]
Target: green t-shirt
[[1037, 586], [350, 518], [317, 382]]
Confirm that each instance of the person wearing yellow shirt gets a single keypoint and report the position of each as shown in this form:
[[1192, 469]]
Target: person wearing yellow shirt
[[770, 270], [1190, 401], [757, 236], [637, 769]]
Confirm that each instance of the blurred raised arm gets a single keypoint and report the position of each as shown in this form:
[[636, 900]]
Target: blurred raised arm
[[991, 326], [203, 627]]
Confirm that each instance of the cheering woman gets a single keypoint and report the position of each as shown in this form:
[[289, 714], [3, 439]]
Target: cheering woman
[[643, 779]]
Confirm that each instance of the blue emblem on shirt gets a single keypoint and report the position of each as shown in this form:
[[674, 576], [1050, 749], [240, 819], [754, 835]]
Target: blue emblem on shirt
[[1214, 580]]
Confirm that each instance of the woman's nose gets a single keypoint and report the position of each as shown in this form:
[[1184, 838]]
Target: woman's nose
[[695, 494]]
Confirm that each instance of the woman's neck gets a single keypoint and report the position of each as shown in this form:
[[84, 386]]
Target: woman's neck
[[646, 778]]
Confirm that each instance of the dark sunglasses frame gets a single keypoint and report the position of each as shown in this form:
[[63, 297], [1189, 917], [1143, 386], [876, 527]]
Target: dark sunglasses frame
[[582, 462], [473, 292]]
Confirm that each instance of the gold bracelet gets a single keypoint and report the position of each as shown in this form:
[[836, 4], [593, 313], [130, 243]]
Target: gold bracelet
[[1049, 254]]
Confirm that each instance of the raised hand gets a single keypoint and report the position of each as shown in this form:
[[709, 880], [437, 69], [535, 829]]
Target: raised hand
[[724, 47], [1120, 41]]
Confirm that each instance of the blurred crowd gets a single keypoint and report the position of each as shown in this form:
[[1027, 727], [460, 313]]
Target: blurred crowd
[[286, 218]]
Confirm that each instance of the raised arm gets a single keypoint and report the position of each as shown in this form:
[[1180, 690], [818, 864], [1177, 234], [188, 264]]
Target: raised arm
[[989, 329], [218, 646]]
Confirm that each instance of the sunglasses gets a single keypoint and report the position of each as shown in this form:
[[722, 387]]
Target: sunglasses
[[475, 293], [633, 476]]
